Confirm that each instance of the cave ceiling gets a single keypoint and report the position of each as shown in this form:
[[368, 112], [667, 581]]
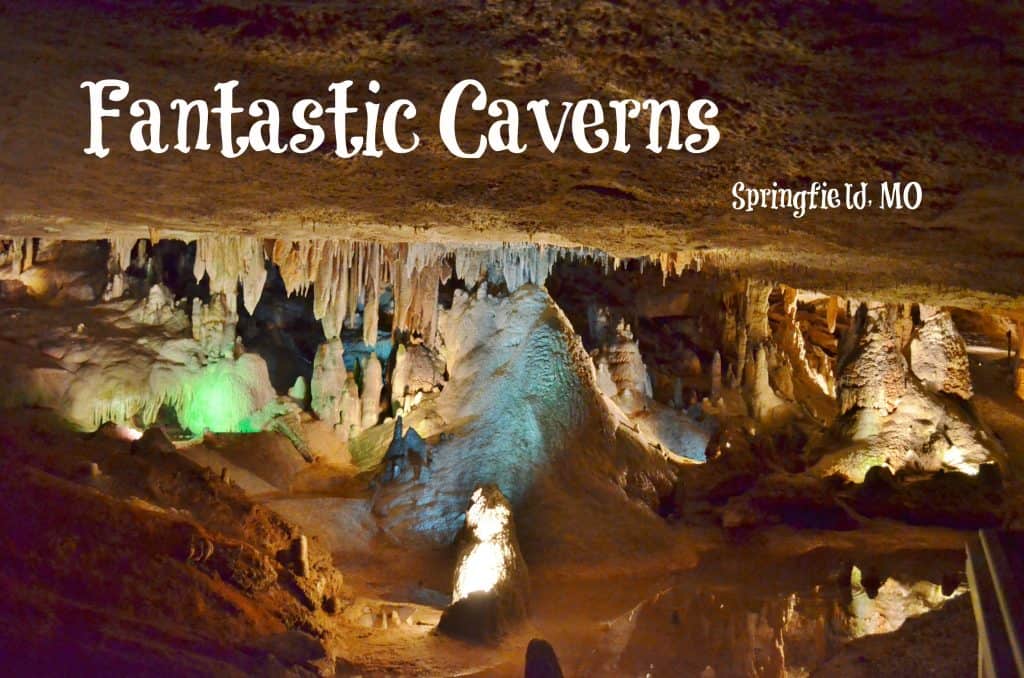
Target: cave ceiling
[[849, 91]]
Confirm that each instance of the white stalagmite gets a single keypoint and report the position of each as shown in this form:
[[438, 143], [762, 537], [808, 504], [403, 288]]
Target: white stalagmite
[[328, 383], [621, 373], [373, 383], [399, 377], [214, 324], [351, 412]]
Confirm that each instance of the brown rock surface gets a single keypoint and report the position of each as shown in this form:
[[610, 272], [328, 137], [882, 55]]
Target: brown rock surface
[[860, 91]]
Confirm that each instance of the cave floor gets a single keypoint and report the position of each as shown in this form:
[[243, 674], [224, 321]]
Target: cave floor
[[627, 615]]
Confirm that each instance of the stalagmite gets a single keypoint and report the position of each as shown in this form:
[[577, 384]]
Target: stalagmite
[[677, 393], [1018, 371], [831, 313], [328, 382], [716, 375], [299, 391], [621, 372], [938, 354], [765, 404], [873, 373], [351, 409], [29, 253], [399, 378], [213, 324], [373, 383], [892, 419], [158, 308], [300, 553], [491, 591]]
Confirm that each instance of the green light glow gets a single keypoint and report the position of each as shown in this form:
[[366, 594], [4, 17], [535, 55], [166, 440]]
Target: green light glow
[[219, 400]]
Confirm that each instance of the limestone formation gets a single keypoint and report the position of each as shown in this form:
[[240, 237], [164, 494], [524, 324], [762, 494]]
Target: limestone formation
[[418, 369], [891, 420], [328, 382], [369, 397], [491, 588], [299, 391], [1018, 371], [938, 355], [541, 660], [716, 376], [406, 449], [300, 555], [158, 308], [214, 323], [621, 372], [118, 260], [153, 441], [228, 261], [351, 409], [873, 373], [394, 457]]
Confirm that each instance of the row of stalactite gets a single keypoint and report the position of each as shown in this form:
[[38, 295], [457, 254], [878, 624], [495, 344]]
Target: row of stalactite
[[348, 276]]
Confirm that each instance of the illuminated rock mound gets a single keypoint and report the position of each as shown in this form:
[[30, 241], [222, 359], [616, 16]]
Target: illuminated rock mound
[[490, 593], [522, 410]]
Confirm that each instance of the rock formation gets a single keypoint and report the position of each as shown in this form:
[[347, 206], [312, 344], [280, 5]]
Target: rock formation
[[418, 369], [621, 373], [328, 382], [214, 324], [1018, 370], [891, 417], [369, 397], [491, 587], [938, 355]]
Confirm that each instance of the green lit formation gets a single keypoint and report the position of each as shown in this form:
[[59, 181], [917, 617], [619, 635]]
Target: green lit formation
[[218, 400]]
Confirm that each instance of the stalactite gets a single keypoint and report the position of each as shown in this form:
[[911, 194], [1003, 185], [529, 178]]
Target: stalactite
[[11, 254], [371, 305], [345, 275], [118, 261], [230, 260]]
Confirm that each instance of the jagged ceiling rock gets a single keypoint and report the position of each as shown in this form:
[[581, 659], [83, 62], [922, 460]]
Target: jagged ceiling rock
[[859, 91]]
